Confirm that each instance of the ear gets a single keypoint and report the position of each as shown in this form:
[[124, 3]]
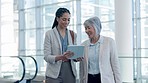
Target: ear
[[57, 19]]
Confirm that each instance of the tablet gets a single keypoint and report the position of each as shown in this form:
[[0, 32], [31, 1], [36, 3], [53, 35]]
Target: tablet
[[78, 51]]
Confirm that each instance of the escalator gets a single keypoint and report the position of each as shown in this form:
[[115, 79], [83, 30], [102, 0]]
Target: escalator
[[12, 69], [17, 69], [31, 68]]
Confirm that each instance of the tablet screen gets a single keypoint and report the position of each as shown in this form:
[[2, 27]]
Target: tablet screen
[[78, 51]]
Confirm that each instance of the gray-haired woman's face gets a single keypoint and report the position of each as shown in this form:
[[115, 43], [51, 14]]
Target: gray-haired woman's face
[[90, 31]]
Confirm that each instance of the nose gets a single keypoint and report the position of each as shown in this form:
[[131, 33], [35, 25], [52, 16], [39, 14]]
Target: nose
[[67, 21]]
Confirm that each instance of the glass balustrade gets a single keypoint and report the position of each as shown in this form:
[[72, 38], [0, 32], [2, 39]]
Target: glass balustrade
[[12, 68], [31, 67], [41, 68], [16, 69]]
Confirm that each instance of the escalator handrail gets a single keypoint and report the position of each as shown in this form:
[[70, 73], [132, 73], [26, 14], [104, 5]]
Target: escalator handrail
[[23, 64], [36, 71], [36, 67], [23, 69]]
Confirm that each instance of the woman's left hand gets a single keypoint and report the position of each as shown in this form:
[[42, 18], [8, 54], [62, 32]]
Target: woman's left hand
[[78, 59]]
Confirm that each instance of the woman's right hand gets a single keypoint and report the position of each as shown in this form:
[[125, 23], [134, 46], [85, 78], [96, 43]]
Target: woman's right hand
[[65, 56]]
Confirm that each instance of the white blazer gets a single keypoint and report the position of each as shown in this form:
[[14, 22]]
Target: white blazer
[[108, 62], [52, 48]]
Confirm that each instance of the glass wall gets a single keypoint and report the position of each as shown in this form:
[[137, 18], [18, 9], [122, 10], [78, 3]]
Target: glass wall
[[8, 34], [140, 40], [104, 10]]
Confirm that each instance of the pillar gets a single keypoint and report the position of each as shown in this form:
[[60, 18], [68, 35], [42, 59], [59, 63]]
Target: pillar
[[124, 37]]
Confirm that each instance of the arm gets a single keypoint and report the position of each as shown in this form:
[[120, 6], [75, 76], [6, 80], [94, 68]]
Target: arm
[[114, 62], [47, 51]]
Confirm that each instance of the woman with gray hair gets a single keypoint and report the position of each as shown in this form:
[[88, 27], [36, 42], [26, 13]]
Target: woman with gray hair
[[100, 64]]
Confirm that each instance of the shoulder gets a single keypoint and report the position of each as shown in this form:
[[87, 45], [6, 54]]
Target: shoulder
[[109, 39], [104, 40], [49, 32]]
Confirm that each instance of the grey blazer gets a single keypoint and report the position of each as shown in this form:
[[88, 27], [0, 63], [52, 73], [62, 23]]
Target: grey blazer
[[52, 48]]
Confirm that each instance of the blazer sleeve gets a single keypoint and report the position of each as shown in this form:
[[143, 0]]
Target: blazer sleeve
[[115, 62]]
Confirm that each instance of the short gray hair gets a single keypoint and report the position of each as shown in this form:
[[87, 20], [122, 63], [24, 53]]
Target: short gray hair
[[95, 21]]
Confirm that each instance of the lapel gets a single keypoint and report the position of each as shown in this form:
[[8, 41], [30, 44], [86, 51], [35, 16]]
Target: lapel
[[101, 48], [57, 37], [86, 55]]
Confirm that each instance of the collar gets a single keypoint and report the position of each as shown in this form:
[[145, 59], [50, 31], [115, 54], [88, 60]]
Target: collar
[[100, 41]]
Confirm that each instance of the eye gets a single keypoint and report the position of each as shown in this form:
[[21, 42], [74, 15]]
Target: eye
[[69, 19], [64, 19], [87, 27]]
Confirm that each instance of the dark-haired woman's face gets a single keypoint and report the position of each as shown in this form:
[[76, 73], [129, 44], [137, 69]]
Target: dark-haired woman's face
[[64, 20]]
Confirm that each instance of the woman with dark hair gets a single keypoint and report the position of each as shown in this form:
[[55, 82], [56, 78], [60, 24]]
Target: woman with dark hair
[[59, 69]]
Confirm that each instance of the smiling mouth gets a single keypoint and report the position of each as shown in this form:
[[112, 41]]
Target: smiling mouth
[[88, 34], [66, 25]]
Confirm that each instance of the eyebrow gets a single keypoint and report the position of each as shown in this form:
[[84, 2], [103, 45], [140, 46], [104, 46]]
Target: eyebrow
[[65, 18]]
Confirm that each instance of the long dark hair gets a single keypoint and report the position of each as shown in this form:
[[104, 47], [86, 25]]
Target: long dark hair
[[58, 14]]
